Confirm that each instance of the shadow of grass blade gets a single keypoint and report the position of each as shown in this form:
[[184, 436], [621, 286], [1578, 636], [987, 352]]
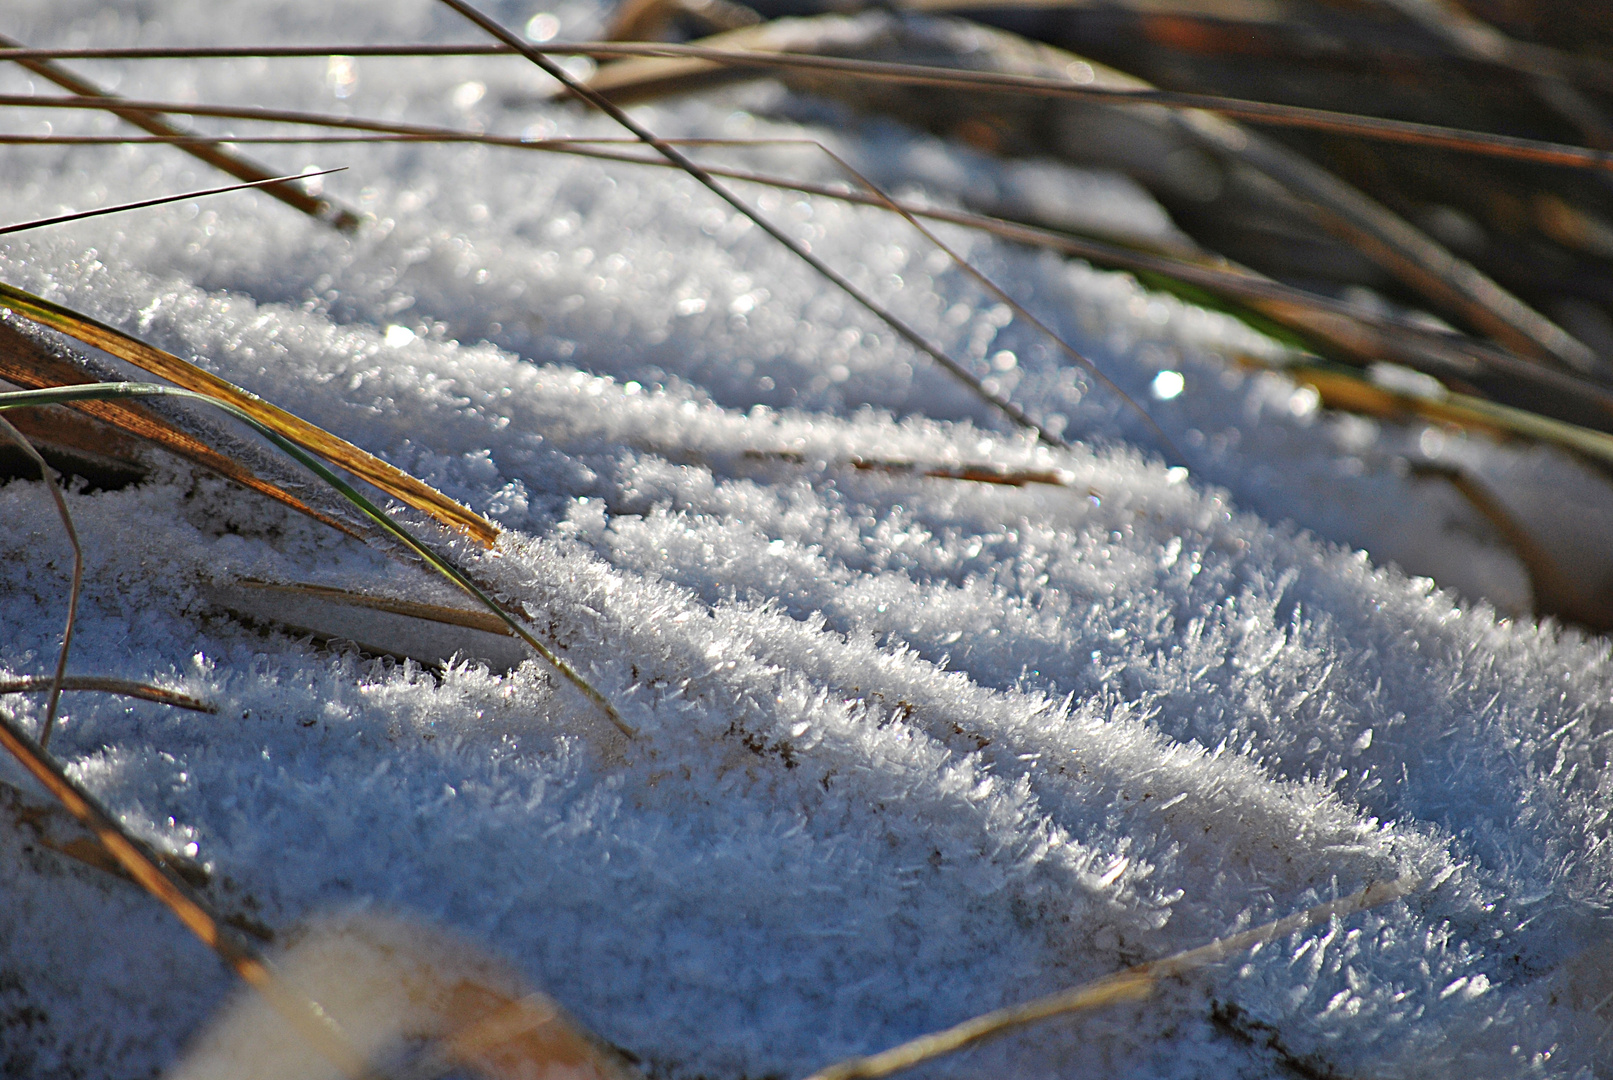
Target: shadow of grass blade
[[288, 445], [269, 418]]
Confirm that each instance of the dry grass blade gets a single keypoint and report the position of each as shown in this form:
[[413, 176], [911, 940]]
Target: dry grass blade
[[1346, 389], [140, 863], [1128, 985], [367, 467], [592, 97], [154, 122], [143, 204], [302, 455], [56, 682], [143, 691]]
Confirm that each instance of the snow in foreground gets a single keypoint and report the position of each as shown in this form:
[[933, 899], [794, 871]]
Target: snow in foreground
[[910, 748]]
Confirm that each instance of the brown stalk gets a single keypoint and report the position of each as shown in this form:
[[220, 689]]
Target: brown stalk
[[241, 168], [1369, 227], [1360, 334], [1271, 114]]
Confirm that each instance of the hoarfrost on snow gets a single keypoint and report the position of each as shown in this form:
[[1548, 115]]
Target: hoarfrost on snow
[[909, 747]]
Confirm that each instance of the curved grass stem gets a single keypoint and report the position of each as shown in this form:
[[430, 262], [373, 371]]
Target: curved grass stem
[[45, 473]]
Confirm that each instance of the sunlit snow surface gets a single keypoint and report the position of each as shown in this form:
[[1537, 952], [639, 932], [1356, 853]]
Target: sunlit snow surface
[[909, 748]]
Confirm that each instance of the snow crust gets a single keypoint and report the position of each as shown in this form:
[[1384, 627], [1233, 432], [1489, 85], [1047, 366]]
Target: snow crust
[[910, 748]]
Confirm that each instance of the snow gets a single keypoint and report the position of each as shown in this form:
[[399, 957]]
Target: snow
[[909, 748]]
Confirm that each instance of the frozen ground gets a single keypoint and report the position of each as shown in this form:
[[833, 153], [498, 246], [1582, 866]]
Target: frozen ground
[[909, 748]]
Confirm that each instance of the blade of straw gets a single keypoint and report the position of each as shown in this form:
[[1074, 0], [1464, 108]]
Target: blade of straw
[[1267, 113], [1460, 140], [388, 478], [1362, 333], [30, 684], [885, 202], [304, 1016]]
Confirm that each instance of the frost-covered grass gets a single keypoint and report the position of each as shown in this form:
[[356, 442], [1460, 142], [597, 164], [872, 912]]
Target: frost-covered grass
[[909, 748]]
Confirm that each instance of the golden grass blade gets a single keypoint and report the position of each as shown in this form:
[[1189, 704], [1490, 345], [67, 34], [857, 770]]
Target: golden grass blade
[[191, 908], [433, 558], [1346, 389], [592, 97], [34, 684], [388, 478], [147, 120], [78, 215], [1128, 985], [49, 480], [56, 829]]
